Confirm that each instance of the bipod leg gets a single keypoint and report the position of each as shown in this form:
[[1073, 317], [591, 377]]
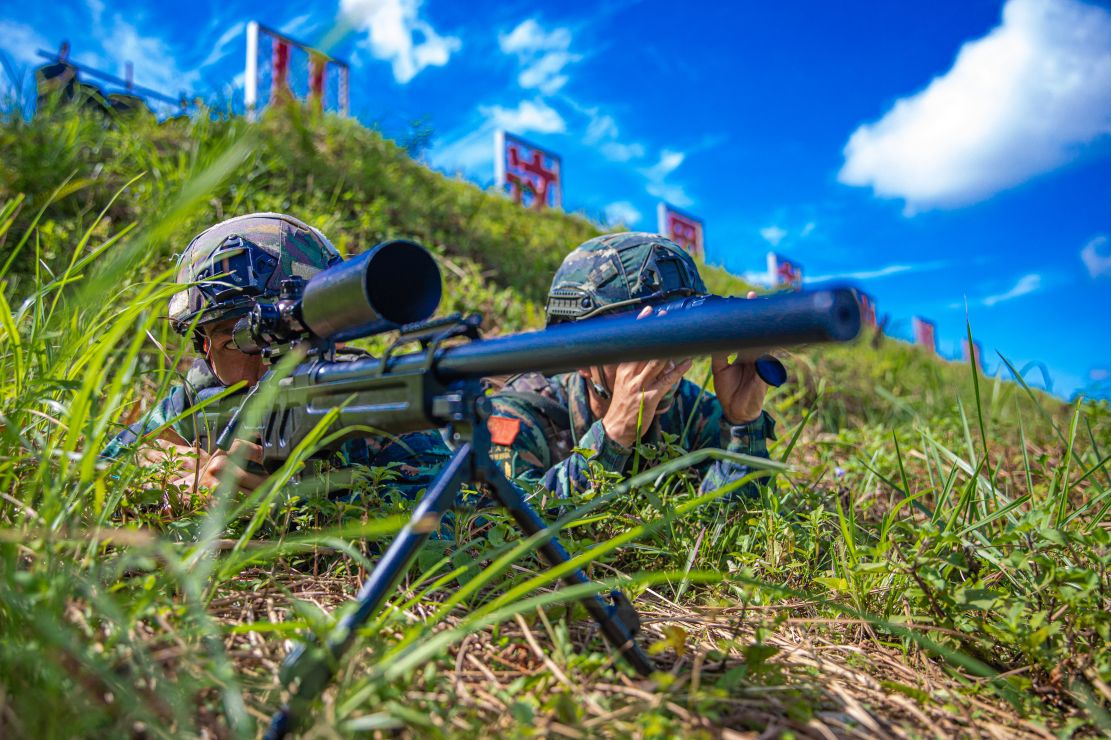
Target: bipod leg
[[618, 620], [312, 667]]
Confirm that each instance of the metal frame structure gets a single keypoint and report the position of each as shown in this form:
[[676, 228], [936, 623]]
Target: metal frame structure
[[319, 62], [127, 82]]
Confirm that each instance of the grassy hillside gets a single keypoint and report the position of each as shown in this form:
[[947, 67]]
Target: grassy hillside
[[935, 560]]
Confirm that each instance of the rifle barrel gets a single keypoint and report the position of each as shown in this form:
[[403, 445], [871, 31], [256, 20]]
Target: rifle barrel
[[716, 325]]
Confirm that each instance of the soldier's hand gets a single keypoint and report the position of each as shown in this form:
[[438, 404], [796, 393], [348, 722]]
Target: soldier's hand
[[638, 389], [739, 388], [200, 472]]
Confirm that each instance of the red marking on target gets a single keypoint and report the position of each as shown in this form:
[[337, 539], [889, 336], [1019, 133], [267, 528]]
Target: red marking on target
[[783, 273], [279, 70], [529, 174], [925, 334], [683, 229], [867, 309], [317, 66], [503, 429], [974, 355]]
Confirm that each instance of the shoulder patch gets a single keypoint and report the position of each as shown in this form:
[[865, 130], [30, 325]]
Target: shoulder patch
[[503, 429]]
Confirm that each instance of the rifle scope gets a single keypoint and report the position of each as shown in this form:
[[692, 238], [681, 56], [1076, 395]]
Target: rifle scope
[[395, 283]]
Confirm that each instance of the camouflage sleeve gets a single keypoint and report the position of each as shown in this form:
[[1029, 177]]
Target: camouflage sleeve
[[528, 460], [417, 459], [166, 409], [524, 455], [570, 475], [749, 439]]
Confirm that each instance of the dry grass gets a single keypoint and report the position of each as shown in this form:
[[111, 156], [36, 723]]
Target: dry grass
[[852, 683]]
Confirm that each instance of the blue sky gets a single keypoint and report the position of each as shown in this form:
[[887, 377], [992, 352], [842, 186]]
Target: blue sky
[[938, 155]]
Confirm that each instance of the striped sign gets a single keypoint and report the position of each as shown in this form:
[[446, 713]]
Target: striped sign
[[682, 228], [867, 308], [973, 353], [530, 175], [925, 334], [783, 273]]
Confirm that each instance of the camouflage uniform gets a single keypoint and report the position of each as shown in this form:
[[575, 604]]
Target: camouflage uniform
[[415, 459], [225, 268], [556, 427], [551, 417]]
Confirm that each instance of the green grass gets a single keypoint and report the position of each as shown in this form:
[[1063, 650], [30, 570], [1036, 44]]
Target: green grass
[[934, 556]]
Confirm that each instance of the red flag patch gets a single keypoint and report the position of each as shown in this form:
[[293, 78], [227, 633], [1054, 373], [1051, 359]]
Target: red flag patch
[[503, 430]]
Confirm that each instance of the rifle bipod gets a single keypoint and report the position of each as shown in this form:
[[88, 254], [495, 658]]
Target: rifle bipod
[[311, 668]]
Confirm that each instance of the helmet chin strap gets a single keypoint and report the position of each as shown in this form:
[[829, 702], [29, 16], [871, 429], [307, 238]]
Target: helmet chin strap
[[602, 391], [202, 344]]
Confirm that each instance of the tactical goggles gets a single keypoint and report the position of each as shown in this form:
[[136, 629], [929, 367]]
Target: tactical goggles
[[232, 277], [236, 268]]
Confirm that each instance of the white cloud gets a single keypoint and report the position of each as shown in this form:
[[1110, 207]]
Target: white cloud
[[1096, 258], [807, 230], [657, 175], [155, 61], [220, 48], [96, 10], [1026, 284], [19, 42], [298, 25], [672, 193], [622, 212], [472, 152], [880, 272], [392, 27], [615, 151], [602, 132], [547, 73], [542, 55], [773, 234], [1021, 101], [669, 161], [22, 42], [529, 115], [601, 127]]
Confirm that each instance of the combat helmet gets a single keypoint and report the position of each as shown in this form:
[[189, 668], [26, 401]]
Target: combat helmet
[[617, 272], [228, 265]]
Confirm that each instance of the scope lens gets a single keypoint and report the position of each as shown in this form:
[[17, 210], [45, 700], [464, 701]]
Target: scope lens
[[394, 283], [403, 282]]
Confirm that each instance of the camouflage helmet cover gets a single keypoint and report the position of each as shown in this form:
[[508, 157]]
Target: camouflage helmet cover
[[617, 271], [229, 264]]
